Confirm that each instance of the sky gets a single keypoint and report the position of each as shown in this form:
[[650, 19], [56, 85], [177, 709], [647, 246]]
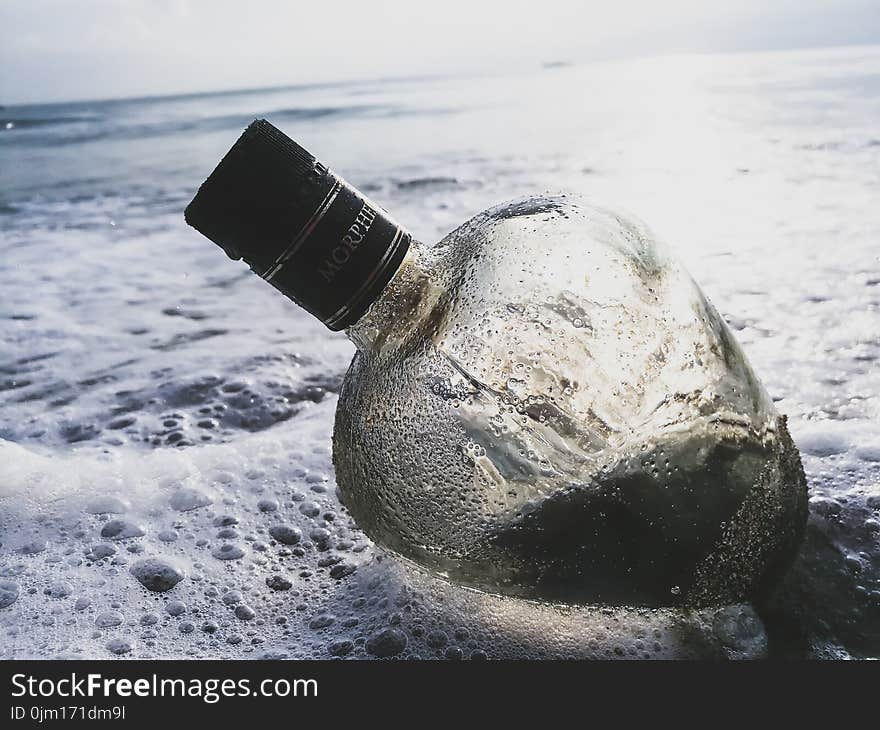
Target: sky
[[58, 50]]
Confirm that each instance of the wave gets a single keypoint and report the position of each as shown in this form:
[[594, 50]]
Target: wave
[[28, 131], [13, 124], [428, 182]]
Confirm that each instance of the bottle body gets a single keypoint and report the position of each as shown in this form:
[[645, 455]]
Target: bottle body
[[545, 404]]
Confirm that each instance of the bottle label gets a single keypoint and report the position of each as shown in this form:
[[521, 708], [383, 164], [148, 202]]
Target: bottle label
[[342, 257]]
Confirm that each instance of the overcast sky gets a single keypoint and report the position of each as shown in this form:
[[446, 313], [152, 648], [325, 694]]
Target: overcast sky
[[85, 49]]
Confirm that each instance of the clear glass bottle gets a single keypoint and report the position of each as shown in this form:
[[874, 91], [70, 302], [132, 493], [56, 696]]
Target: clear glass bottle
[[543, 404]]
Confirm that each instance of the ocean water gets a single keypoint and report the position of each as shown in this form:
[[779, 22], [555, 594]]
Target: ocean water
[[160, 403]]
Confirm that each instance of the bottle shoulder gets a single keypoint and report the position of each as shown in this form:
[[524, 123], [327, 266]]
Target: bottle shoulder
[[553, 233], [554, 299]]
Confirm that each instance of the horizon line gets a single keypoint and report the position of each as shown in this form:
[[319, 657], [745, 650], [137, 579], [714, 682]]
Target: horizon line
[[423, 77]]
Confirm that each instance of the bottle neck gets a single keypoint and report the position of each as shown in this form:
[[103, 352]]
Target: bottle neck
[[310, 234], [341, 258], [407, 299]]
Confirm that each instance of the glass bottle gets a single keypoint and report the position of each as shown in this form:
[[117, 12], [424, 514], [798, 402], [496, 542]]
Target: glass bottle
[[542, 404]]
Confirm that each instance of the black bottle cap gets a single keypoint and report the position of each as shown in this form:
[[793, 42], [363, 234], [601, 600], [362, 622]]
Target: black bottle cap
[[299, 226]]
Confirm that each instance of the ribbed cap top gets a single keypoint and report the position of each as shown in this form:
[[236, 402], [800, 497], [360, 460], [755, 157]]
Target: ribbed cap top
[[265, 188]]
